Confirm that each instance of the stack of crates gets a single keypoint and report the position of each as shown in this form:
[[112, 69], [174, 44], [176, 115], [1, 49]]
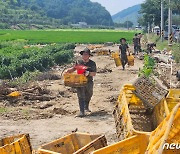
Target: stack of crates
[[128, 110], [157, 142], [132, 117]]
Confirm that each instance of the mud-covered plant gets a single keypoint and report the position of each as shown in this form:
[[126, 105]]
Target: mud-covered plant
[[148, 67]]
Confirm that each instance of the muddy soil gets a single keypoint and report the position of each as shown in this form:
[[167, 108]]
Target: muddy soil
[[141, 119], [49, 120]]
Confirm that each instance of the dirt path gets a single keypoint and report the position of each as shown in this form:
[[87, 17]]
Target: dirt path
[[61, 111]]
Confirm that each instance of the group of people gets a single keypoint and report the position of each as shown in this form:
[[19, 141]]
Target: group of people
[[85, 93]]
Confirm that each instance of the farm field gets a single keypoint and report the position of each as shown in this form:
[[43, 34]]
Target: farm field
[[20, 53], [17, 57], [66, 36], [48, 120], [46, 108]]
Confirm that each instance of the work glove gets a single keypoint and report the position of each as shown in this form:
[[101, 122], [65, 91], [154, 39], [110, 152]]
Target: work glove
[[86, 73]]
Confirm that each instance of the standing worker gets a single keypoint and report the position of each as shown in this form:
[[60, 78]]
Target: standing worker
[[85, 93], [136, 42], [123, 48], [140, 37]]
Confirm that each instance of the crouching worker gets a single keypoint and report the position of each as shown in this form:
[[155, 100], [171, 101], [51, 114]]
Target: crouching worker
[[85, 93], [150, 47]]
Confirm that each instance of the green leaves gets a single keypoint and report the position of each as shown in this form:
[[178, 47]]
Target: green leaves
[[151, 12], [17, 62], [148, 67], [63, 57], [25, 14]]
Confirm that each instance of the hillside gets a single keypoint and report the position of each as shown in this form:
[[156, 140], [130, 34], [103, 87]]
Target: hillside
[[130, 14], [51, 13]]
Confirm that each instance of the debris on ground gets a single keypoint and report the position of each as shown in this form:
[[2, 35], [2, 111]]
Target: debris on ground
[[104, 70], [32, 92]]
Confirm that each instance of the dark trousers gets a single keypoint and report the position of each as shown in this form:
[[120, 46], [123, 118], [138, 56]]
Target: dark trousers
[[124, 60], [84, 95], [137, 49]]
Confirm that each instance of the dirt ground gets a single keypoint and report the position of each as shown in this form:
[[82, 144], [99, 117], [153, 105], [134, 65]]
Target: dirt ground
[[49, 120]]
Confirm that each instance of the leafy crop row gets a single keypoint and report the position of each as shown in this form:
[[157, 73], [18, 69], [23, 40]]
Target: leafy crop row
[[15, 61]]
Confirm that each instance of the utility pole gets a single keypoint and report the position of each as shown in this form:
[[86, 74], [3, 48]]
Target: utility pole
[[162, 20], [169, 23]]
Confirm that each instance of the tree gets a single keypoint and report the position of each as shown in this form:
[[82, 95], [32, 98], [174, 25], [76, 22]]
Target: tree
[[19, 2], [128, 24], [176, 6], [61, 11], [151, 11]]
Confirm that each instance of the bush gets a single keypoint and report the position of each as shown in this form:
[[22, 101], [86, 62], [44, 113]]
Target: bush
[[176, 55], [148, 67], [15, 61], [63, 57]]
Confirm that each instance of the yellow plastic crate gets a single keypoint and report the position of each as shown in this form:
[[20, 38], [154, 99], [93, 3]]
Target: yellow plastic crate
[[75, 80], [167, 132], [174, 93], [134, 145], [103, 52], [115, 54], [173, 98], [166, 105], [130, 60], [19, 144], [77, 143], [92, 47], [128, 114], [131, 116], [162, 109], [117, 59]]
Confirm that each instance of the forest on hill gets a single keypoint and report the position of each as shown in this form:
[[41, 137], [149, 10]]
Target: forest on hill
[[52, 13]]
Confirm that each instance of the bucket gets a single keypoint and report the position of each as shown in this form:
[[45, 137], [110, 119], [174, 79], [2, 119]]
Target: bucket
[[80, 69]]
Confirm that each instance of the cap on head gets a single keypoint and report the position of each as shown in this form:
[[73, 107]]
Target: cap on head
[[122, 39], [86, 50]]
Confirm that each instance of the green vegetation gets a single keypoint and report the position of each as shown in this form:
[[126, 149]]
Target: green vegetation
[[151, 11], [25, 78], [126, 24], [23, 14], [148, 67], [3, 110], [25, 51], [66, 36], [16, 58], [175, 48]]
